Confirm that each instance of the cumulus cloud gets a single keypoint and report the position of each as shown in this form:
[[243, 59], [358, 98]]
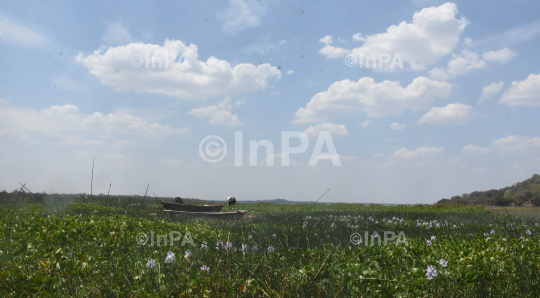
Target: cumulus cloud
[[420, 153], [454, 113], [526, 92], [517, 143], [376, 99], [458, 65], [358, 37], [219, 114], [326, 40], [501, 56], [67, 123], [489, 91], [366, 123], [335, 130], [331, 51], [433, 33], [397, 126], [475, 149], [290, 72], [216, 115], [13, 32], [174, 69], [239, 15]]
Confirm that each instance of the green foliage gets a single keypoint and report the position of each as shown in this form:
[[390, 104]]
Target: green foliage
[[501, 201], [536, 199], [91, 250]]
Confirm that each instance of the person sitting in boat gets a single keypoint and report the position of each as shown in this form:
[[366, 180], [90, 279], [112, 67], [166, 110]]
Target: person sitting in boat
[[231, 201], [178, 200]]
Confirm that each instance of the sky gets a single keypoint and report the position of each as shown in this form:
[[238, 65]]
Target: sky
[[397, 102]]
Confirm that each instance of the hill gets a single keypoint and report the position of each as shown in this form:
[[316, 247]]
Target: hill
[[525, 193]]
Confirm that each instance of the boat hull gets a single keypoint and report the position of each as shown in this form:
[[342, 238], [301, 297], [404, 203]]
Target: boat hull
[[192, 208], [217, 215]]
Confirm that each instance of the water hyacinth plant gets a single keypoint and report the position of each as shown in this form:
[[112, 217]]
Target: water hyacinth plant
[[303, 261]]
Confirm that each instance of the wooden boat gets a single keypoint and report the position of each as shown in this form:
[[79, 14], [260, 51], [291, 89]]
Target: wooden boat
[[192, 208], [217, 215]]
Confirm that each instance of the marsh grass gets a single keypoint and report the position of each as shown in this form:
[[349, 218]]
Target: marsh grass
[[89, 249]]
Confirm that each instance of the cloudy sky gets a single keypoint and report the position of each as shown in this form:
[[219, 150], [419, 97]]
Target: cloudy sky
[[422, 99]]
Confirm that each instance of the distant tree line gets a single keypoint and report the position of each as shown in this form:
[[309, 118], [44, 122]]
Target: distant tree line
[[518, 194]]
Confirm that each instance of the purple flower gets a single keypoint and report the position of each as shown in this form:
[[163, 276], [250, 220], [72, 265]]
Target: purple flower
[[255, 248], [219, 244], [205, 268], [228, 246], [170, 257], [431, 272], [433, 237], [492, 232], [187, 254], [204, 245], [528, 232], [249, 237], [443, 262], [244, 248], [428, 242], [151, 264], [271, 249]]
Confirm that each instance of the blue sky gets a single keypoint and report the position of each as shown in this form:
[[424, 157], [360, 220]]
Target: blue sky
[[456, 113]]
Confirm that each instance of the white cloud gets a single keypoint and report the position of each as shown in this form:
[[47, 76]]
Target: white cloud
[[69, 125], [501, 56], [467, 40], [517, 143], [358, 37], [420, 153], [366, 123], [397, 126], [186, 78], [489, 91], [335, 130], [334, 52], [239, 15], [454, 113], [526, 92], [433, 33], [219, 114], [116, 34], [13, 32], [376, 99], [475, 149], [326, 40], [458, 65], [290, 72], [379, 155]]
